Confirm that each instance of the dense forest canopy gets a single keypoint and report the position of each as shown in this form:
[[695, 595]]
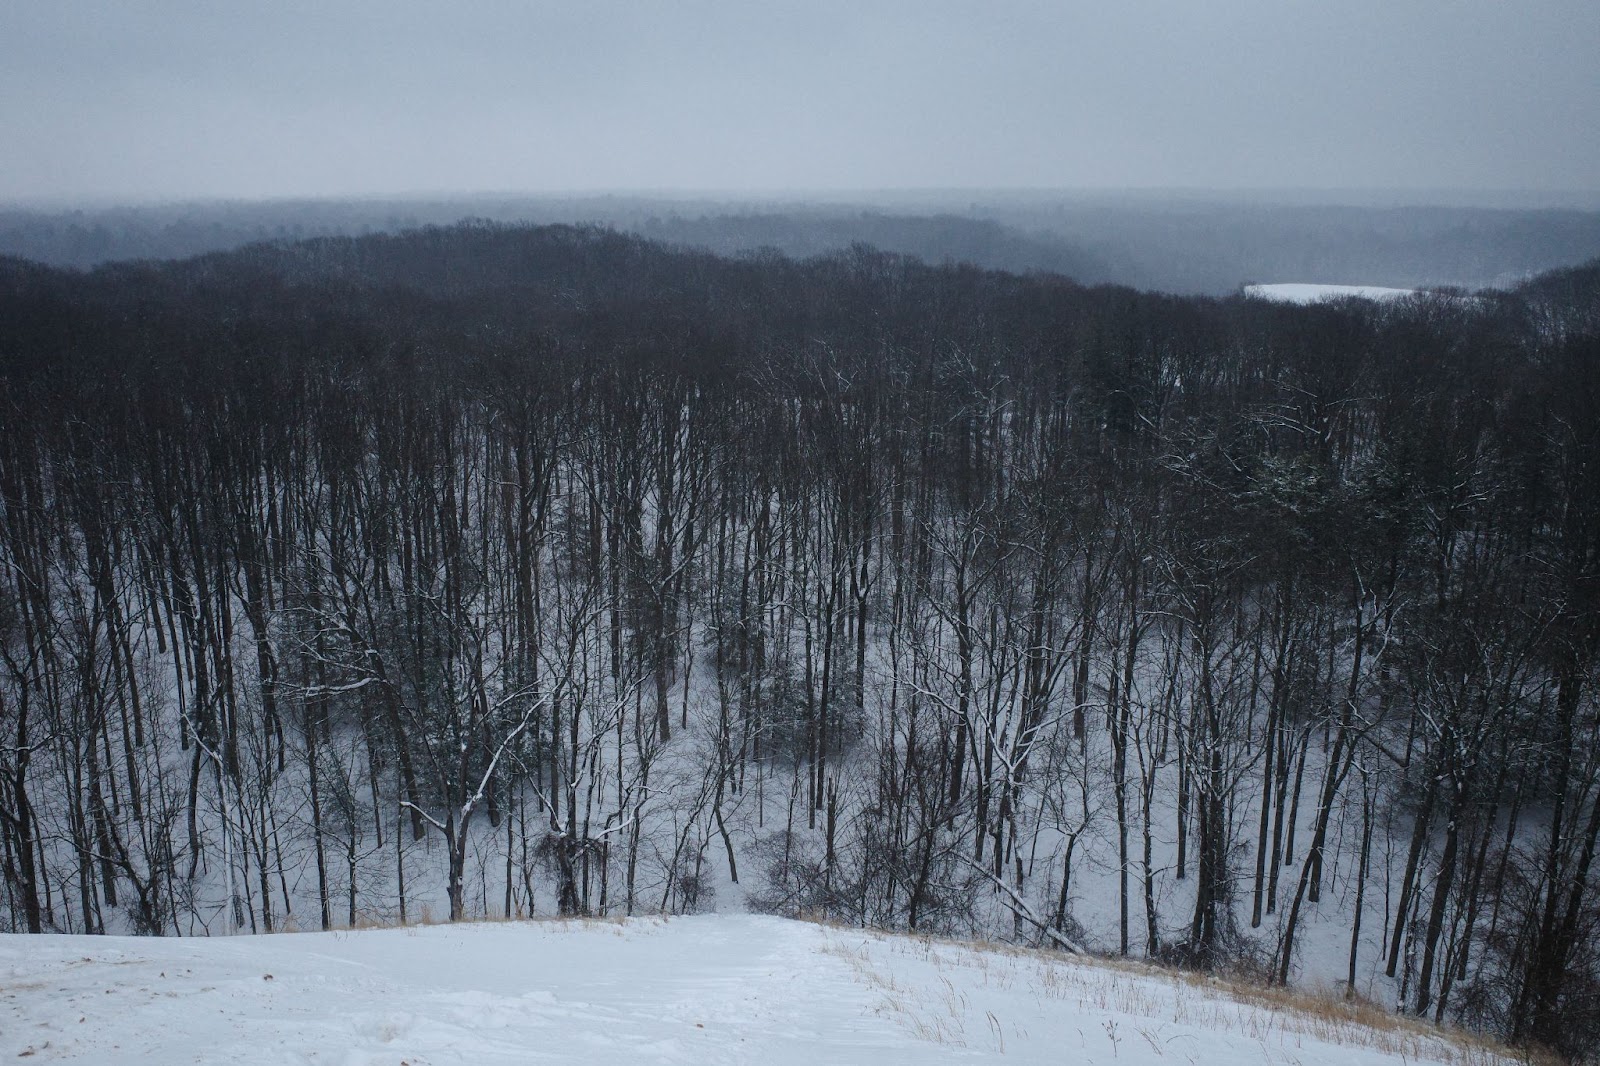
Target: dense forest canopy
[[552, 570]]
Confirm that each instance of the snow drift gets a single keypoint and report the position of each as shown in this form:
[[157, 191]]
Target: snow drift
[[709, 989], [1296, 293]]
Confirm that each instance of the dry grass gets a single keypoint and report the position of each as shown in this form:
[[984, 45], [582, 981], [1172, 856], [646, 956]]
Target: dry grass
[[1149, 997], [1136, 990], [946, 1028]]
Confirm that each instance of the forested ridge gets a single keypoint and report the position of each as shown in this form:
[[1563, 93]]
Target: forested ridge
[[1195, 243], [530, 570]]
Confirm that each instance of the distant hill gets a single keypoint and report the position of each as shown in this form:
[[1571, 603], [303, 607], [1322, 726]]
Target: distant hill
[[83, 239], [1212, 246], [1173, 244]]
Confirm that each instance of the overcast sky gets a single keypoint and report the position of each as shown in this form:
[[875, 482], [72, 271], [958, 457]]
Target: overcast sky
[[166, 99]]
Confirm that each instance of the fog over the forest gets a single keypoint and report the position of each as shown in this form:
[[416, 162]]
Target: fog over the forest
[[175, 99]]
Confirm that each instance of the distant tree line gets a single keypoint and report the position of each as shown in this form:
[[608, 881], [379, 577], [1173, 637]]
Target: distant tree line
[[564, 571], [1200, 243]]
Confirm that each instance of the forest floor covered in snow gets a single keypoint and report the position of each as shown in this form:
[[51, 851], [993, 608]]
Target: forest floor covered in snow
[[705, 989]]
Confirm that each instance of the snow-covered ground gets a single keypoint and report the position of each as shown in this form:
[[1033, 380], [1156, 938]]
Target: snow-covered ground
[[706, 989], [1296, 293]]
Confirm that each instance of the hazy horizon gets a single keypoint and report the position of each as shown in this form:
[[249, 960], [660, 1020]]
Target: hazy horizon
[[182, 101], [910, 199]]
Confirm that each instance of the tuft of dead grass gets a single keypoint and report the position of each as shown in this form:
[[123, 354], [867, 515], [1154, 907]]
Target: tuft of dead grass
[[1262, 1012]]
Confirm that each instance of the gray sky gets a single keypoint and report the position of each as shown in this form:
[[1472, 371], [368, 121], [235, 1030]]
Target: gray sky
[[166, 99]]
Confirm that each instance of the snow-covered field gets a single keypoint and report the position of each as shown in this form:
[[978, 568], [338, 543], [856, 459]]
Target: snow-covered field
[[1296, 293], [703, 990]]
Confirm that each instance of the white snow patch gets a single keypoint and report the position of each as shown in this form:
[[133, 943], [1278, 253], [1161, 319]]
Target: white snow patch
[[701, 990], [1296, 293]]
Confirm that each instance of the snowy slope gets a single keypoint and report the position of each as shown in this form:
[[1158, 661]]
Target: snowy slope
[[704, 990], [1295, 293]]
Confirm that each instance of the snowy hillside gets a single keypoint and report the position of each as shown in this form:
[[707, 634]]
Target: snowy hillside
[[709, 989], [1296, 293]]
